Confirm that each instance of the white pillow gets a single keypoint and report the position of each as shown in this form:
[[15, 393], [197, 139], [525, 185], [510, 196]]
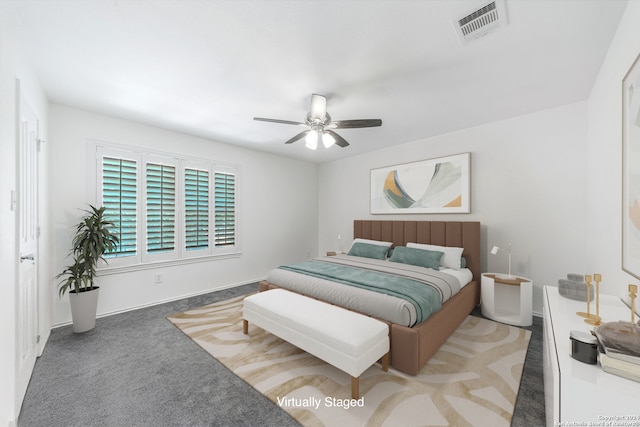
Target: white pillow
[[371, 242], [451, 257]]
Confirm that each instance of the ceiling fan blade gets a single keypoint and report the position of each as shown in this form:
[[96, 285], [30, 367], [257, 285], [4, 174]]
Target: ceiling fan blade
[[318, 107], [298, 137], [340, 141], [286, 122], [350, 124]]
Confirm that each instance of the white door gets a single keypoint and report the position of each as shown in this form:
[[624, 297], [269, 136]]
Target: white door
[[28, 230]]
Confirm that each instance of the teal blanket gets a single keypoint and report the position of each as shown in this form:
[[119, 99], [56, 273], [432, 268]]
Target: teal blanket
[[424, 298]]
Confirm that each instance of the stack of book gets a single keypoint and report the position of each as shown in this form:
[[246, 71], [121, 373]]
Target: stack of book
[[619, 349]]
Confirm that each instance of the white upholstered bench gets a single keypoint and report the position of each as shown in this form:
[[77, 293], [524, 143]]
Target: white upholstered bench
[[349, 341]]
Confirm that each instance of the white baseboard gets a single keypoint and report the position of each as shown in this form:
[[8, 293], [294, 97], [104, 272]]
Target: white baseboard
[[163, 301]]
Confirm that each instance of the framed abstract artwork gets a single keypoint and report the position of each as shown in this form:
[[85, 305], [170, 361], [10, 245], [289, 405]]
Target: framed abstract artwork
[[440, 185], [631, 170]]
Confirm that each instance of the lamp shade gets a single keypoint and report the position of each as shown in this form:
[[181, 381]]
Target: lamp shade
[[311, 140], [328, 140]]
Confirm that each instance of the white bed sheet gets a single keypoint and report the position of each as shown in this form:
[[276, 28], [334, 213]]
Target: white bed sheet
[[464, 275], [382, 306]]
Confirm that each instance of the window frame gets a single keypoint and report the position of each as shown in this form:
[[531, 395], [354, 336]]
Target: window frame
[[180, 254]]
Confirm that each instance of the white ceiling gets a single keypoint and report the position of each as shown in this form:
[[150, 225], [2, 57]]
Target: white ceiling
[[206, 67]]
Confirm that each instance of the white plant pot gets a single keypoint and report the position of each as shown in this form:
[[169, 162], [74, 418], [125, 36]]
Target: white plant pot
[[83, 309]]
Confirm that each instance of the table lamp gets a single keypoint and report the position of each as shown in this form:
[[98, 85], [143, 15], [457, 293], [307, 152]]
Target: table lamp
[[496, 249]]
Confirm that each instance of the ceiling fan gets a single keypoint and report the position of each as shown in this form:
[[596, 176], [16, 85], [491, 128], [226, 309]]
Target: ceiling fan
[[320, 125]]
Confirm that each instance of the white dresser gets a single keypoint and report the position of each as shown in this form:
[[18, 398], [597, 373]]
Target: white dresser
[[576, 392]]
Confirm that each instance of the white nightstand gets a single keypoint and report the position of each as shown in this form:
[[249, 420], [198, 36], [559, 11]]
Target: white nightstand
[[507, 299]]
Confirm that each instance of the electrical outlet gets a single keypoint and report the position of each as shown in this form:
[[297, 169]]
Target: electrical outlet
[[157, 278]]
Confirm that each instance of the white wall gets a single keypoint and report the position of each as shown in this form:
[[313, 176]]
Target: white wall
[[605, 156], [528, 187], [13, 68], [277, 202]]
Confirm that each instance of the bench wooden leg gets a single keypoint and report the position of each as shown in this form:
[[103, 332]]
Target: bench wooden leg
[[355, 387], [245, 327], [385, 362]]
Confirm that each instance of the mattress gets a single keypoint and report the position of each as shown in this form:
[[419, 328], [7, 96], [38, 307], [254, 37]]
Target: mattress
[[386, 307]]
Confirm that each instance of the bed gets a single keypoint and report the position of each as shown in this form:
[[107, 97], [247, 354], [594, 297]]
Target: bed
[[413, 341]]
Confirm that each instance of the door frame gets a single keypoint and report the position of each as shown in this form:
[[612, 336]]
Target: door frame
[[23, 373]]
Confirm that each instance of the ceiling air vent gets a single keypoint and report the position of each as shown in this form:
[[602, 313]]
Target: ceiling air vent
[[481, 21]]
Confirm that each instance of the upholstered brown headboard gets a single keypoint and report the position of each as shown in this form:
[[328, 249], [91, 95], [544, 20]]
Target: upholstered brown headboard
[[461, 234]]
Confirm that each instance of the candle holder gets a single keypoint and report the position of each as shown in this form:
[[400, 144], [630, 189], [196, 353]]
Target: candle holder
[[588, 315], [633, 291], [596, 320]]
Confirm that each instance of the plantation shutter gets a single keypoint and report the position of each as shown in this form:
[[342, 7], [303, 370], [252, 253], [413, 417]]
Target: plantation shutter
[[225, 209], [119, 197], [161, 207], [165, 208], [196, 187]]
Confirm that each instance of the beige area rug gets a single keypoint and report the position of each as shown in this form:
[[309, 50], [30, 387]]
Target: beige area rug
[[472, 380]]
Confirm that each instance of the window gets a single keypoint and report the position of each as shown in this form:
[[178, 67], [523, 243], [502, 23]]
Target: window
[[161, 207], [196, 201], [164, 207], [225, 209], [119, 196]]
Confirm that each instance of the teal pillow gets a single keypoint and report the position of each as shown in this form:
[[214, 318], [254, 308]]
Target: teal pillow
[[368, 250], [419, 257], [463, 262]]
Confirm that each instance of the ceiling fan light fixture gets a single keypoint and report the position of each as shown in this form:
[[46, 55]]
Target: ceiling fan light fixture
[[311, 140], [328, 140], [320, 125]]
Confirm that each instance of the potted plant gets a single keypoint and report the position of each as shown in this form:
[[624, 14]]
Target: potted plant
[[90, 242]]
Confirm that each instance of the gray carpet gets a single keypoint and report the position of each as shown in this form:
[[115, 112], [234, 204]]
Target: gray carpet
[[138, 369], [529, 410]]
